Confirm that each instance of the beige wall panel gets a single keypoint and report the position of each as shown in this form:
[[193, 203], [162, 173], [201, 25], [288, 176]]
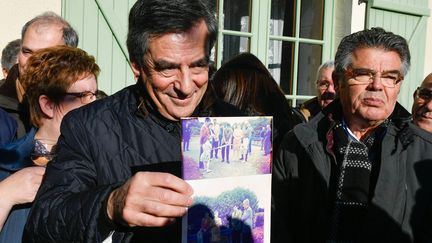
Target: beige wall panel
[[15, 13]]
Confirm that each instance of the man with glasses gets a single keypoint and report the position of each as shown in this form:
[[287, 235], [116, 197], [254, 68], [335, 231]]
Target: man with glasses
[[359, 171], [422, 106], [325, 92]]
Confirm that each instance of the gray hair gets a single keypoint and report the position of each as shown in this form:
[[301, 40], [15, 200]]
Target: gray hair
[[70, 36], [373, 38], [328, 64], [10, 53]]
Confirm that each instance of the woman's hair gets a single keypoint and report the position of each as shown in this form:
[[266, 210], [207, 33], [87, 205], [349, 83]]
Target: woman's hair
[[246, 83], [51, 72]]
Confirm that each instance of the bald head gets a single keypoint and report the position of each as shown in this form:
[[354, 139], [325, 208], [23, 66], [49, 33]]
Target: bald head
[[422, 106], [43, 31]]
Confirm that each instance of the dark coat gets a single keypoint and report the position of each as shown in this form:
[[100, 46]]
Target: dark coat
[[9, 102], [13, 157], [8, 128], [400, 208], [100, 147]]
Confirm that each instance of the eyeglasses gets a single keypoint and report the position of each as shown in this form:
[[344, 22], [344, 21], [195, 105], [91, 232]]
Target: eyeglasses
[[323, 84], [423, 93], [85, 97], [366, 76]]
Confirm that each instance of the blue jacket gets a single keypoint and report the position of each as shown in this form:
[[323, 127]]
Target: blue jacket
[[13, 157]]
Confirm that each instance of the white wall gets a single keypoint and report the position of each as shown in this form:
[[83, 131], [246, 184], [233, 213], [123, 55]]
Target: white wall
[[428, 51], [15, 13]]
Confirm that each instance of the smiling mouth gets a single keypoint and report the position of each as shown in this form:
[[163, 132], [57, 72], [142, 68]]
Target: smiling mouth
[[182, 101]]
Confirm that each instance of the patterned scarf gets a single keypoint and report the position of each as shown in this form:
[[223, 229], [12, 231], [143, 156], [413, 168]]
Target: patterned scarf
[[355, 159]]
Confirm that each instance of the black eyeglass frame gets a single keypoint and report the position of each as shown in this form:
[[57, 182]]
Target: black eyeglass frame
[[82, 95]]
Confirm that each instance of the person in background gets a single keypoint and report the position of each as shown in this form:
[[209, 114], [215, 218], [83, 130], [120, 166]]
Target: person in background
[[9, 57], [8, 127], [58, 80], [45, 30], [116, 173], [246, 83], [360, 170], [422, 106], [325, 92]]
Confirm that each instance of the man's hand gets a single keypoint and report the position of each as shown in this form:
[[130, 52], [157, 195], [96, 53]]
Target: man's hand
[[149, 199]]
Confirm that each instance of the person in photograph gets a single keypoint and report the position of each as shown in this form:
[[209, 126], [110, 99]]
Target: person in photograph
[[247, 219], [237, 139], [186, 136], [244, 148], [262, 137], [205, 156], [204, 137], [268, 140], [214, 133], [226, 142]]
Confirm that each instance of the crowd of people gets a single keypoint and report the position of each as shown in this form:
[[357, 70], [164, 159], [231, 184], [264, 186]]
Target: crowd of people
[[351, 165]]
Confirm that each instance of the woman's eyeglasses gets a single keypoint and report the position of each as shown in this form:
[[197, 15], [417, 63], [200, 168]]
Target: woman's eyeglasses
[[85, 97]]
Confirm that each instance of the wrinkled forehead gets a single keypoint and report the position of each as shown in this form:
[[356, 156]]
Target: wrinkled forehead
[[43, 34]]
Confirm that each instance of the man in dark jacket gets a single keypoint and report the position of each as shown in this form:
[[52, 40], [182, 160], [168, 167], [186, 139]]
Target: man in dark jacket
[[116, 174], [358, 171]]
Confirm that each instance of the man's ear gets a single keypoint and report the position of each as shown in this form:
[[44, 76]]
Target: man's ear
[[5, 72], [47, 106], [135, 70], [335, 78]]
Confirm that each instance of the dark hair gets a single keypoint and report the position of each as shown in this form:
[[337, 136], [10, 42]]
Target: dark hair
[[70, 36], [373, 38], [151, 18], [246, 83], [51, 71], [10, 53]]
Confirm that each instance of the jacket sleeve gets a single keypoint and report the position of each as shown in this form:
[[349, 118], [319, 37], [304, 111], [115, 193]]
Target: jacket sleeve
[[70, 205], [284, 188]]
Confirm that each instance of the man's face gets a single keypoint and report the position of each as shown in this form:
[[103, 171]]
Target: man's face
[[176, 72], [38, 37], [325, 87], [422, 106], [366, 105]]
